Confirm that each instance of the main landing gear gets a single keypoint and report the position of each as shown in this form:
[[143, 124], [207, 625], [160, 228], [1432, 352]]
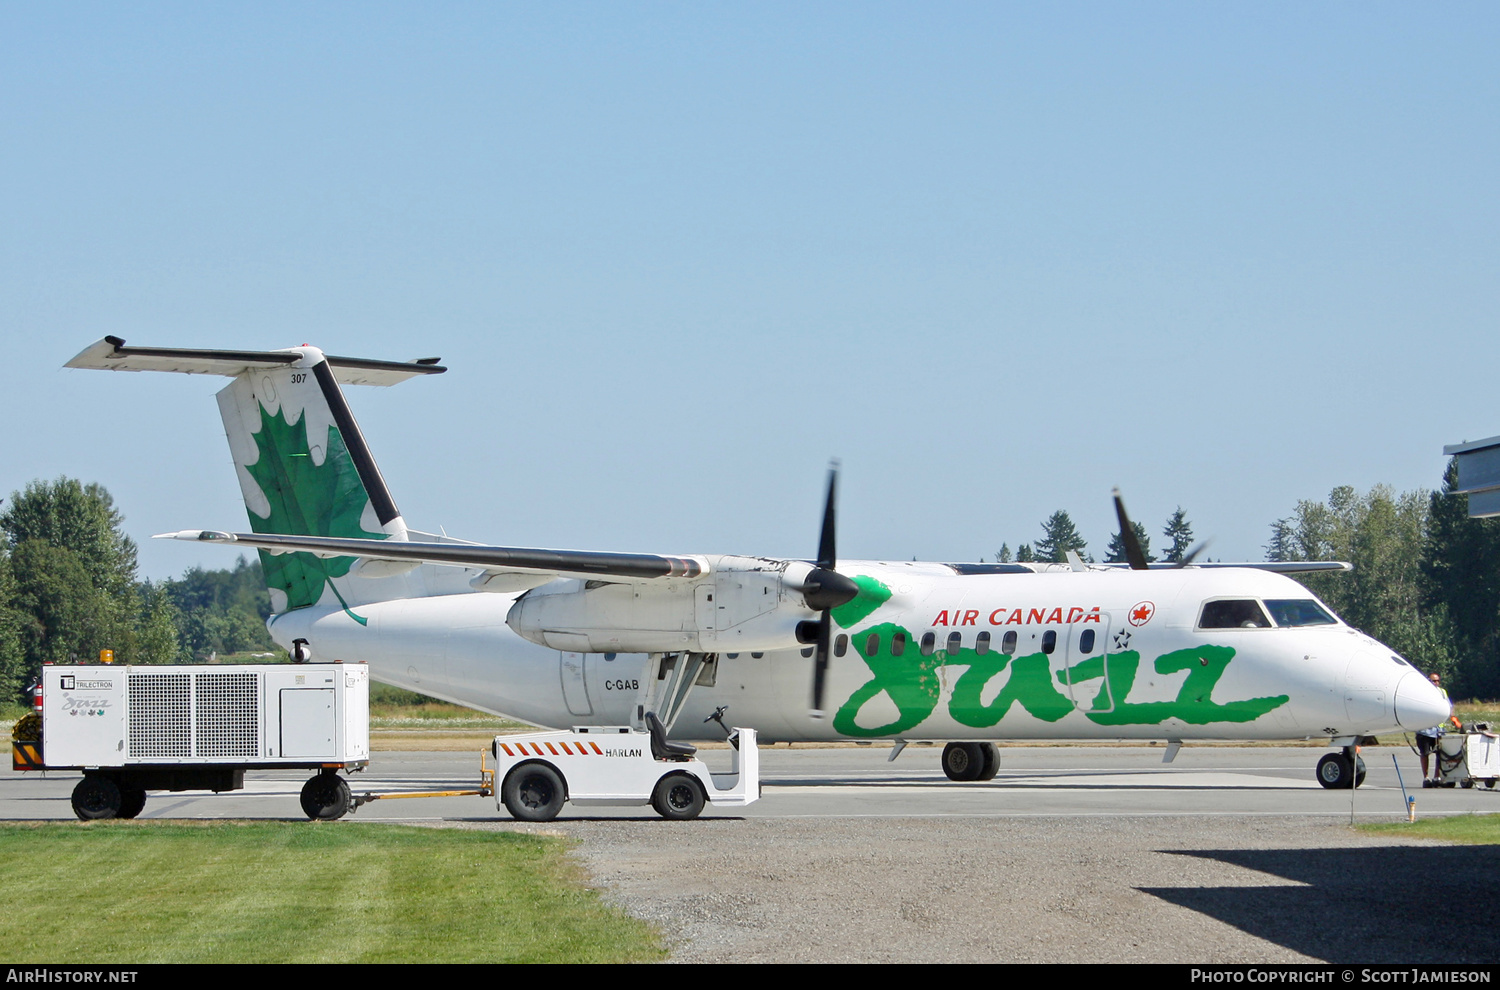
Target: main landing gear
[[1341, 770], [971, 761]]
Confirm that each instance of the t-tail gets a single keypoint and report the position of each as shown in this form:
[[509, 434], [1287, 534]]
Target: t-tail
[[303, 465]]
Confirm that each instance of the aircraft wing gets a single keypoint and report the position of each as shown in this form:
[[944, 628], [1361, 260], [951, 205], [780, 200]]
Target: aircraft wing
[[1287, 566], [563, 563], [1275, 566]]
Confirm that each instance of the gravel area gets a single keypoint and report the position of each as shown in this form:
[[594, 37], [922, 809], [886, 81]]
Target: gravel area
[[1068, 889]]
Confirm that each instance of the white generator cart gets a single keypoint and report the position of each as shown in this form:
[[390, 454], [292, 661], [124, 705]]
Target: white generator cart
[[1469, 756], [618, 765], [133, 729]]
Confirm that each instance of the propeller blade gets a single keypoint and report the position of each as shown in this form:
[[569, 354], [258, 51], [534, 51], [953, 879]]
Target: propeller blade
[[827, 557], [1133, 552], [824, 589], [1188, 557], [820, 663]]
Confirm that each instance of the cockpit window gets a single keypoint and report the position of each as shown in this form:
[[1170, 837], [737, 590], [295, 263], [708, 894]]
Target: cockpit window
[[1238, 613], [1298, 612]]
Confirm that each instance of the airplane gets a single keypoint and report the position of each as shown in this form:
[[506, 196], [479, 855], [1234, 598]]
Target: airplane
[[801, 650]]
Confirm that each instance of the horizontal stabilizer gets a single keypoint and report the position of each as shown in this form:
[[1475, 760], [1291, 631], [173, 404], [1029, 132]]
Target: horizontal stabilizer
[[111, 354], [566, 563]]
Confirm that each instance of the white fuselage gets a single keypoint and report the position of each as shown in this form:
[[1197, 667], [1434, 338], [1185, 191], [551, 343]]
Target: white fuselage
[[1093, 654]]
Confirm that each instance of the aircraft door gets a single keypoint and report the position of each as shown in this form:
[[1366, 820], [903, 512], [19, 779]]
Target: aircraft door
[[1087, 670], [575, 691]]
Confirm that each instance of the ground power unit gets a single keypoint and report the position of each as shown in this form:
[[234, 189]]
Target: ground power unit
[[133, 729]]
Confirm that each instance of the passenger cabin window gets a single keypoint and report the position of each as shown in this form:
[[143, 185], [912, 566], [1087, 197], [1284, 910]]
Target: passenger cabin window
[[1049, 641], [807, 651], [1086, 641], [1236, 613], [898, 644], [1299, 612], [872, 645], [1008, 644], [840, 645], [929, 643], [955, 642], [982, 643]]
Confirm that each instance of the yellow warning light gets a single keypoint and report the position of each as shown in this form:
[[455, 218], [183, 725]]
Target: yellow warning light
[[106, 656]]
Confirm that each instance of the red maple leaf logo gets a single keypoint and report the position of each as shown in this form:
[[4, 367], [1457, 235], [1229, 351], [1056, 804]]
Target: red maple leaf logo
[[1141, 613]]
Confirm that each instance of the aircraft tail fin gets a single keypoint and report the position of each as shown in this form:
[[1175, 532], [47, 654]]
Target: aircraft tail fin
[[303, 465]]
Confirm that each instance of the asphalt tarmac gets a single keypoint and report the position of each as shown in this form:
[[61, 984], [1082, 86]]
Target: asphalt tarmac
[[1088, 854]]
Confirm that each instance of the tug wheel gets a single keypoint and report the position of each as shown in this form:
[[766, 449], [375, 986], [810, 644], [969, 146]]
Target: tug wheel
[[533, 792], [678, 797]]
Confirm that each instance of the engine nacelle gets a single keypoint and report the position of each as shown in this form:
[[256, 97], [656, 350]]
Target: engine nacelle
[[744, 604]]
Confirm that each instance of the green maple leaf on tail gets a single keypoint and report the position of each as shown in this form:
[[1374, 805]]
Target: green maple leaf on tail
[[306, 499]]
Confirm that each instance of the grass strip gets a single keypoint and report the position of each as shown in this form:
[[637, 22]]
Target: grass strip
[[1478, 830], [299, 892]]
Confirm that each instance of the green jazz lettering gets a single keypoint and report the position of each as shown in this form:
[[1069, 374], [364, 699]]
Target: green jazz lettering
[[911, 683]]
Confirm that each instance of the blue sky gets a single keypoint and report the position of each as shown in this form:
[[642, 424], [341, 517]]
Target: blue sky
[[996, 257]]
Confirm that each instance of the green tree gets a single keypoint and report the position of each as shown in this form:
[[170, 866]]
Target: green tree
[[1115, 552], [1383, 535], [1461, 584], [64, 618], [157, 635], [1003, 555], [1282, 545], [1059, 535], [1179, 534], [12, 655], [222, 611], [80, 518], [70, 587], [1024, 554]]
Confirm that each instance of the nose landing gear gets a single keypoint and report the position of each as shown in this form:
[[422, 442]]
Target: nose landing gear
[[1341, 770]]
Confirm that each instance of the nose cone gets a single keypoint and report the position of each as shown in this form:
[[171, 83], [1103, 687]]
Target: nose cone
[[1419, 705]]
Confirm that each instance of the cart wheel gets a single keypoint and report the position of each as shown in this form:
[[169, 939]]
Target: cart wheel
[[325, 797], [132, 801], [1359, 771], [1466, 783], [678, 797], [96, 797], [1490, 783], [533, 792]]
